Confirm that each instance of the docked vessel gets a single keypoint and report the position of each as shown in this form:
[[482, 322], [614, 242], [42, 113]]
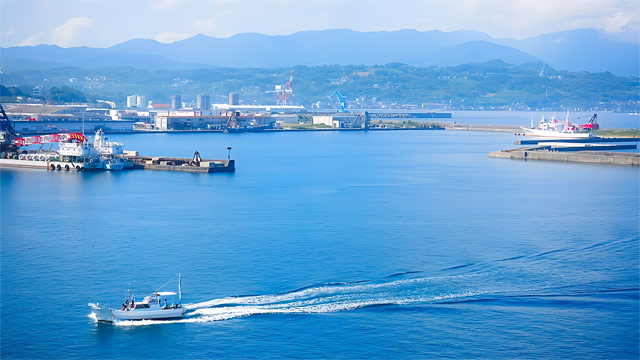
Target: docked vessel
[[562, 129], [75, 152], [154, 306]]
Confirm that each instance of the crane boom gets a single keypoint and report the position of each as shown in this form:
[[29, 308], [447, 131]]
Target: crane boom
[[284, 95], [342, 100], [51, 138], [5, 124]]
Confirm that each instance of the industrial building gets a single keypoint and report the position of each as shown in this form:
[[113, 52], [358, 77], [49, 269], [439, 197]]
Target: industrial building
[[176, 102], [137, 101], [47, 119], [203, 102], [203, 120], [132, 101], [234, 99], [342, 120]]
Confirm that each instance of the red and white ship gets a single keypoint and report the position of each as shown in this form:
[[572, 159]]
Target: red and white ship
[[563, 129]]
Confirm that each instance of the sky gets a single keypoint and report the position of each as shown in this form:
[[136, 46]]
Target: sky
[[103, 23]]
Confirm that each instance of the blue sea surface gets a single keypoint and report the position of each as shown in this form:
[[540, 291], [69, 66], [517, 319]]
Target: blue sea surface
[[398, 244]]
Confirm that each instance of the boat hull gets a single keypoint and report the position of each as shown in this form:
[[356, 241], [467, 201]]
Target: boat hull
[[165, 314], [112, 165], [556, 134], [110, 315]]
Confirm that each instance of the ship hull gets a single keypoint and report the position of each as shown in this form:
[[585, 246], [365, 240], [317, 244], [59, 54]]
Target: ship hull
[[556, 134], [110, 315]]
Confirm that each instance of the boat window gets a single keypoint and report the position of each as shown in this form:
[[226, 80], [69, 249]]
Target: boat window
[[142, 306]]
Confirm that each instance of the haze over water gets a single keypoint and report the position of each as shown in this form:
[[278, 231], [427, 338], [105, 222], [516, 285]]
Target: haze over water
[[327, 244]]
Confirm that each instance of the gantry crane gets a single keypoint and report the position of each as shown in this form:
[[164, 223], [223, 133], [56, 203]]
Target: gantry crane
[[342, 102]]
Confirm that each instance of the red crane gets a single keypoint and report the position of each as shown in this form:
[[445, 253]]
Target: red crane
[[593, 123], [285, 95], [51, 138]]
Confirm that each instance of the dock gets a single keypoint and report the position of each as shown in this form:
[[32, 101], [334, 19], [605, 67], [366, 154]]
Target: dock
[[585, 154], [578, 141], [183, 164]]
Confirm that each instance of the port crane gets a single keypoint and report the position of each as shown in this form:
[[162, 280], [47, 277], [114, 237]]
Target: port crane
[[342, 100], [284, 95], [7, 133], [50, 138], [5, 124], [592, 124], [9, 138]]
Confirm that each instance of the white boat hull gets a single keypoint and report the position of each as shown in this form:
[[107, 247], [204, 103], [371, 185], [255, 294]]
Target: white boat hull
[[556, 134], [165, 314], [113, 165], [111, 315]]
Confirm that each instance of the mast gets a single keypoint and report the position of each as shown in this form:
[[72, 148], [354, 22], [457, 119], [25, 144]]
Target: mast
[[179, 289]]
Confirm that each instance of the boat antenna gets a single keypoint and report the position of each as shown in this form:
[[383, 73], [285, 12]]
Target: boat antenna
[[179, 289]]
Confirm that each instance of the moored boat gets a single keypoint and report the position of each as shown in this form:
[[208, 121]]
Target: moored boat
[[562, 129]]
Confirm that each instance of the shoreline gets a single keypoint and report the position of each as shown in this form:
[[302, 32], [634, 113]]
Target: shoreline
[[448, 126]]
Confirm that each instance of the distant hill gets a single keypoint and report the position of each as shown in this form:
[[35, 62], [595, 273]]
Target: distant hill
[[331, 47], [576, 50], [42, 57], [489, 85], [582, 50]]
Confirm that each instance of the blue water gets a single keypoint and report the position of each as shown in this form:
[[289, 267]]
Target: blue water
[[405, 244]]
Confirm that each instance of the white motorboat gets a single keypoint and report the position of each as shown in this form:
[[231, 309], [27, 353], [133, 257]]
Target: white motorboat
[[113, 164], [152, 307]]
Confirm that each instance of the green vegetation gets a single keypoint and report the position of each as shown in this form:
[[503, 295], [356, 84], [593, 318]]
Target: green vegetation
[[492, 85], [63, 94], [635, 133]]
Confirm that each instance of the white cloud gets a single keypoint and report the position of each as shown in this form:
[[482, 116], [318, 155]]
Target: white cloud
[[205, 25], [114, 21], [169, 37], [33, 40], [9, 31], [71, 31], [164, 5]]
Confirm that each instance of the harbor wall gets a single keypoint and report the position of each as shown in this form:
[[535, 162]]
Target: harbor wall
[[599, 157]]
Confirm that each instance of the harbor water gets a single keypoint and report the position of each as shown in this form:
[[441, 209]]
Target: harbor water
[[398, 244]]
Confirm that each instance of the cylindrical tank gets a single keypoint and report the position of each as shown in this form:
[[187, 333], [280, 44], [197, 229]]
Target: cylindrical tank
[[234, 99]]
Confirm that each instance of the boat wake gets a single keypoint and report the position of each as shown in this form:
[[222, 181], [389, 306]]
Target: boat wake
[[334, 297], [539, 274]]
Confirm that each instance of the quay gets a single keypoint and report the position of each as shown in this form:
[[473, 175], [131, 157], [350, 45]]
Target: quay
[[482, 127], [577, 141], [587, 154], [182, 164]]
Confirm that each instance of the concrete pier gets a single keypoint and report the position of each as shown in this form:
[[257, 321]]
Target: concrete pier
[[183, 164], [576, 141], [586, 156]]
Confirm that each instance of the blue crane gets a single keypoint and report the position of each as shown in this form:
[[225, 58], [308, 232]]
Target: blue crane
[[342, 100]]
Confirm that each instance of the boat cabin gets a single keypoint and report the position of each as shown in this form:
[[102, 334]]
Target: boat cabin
[[162, 300]]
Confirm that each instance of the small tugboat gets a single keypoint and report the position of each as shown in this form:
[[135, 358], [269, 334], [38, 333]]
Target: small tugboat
[[152, 307]]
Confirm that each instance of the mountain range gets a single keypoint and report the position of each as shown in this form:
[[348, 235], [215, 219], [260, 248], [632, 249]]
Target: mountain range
[[574, 50]]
